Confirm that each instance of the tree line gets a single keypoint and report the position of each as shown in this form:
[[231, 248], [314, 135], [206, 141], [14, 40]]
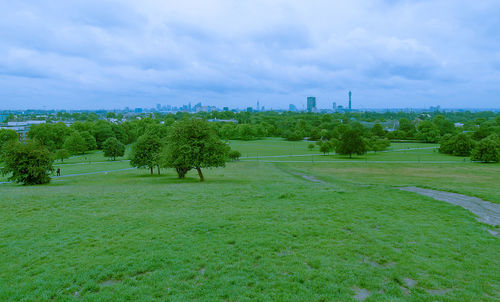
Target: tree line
[[185, 145]]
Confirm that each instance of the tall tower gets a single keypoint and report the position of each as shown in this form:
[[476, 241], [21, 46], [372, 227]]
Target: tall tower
[[258, 108], [350, 93]]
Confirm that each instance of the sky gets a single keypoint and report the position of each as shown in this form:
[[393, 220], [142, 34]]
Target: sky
[[112, 54]]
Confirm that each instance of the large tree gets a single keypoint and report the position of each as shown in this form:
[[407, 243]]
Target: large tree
[[29, 163], [351, 142], [193, 144], [113, 148], [75, 144], [146, 152]]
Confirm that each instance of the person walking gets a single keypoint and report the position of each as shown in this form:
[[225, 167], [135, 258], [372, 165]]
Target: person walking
[[58, 171]]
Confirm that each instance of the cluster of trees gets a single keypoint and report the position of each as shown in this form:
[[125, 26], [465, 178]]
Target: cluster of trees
[[485, 150], [185, 145], [189, 144], [352, 142]]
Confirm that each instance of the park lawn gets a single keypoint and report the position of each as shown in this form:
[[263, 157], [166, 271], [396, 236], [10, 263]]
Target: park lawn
[[394, 154], [252, 231], [270, 147], [473, 179]]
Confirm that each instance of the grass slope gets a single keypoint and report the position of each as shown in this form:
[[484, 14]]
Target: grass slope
[[253, 231]]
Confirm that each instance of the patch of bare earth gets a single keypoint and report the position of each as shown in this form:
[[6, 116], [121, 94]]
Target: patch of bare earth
[[361, 294], [308, 177]]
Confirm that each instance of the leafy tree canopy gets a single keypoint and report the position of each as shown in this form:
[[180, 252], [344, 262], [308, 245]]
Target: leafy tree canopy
[[29, 163], [193, 144]]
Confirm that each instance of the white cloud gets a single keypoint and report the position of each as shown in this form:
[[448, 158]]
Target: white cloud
[[406, 53]]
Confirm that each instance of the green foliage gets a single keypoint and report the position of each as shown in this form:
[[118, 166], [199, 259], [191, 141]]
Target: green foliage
[[406, 125], [447, 144], [488, 150], [62, 154], [113, 148], [310, 147], [89, 140], [459, 145], [246, 132], [29, 163], [102, 131], [234, 155], [7, 135], [52, 136], [146, 152], [463, 145], [75, 144], [378, 130], [444, 126], [326, 146], [193, 144], [376, 144], [428, 132], [351, 142]]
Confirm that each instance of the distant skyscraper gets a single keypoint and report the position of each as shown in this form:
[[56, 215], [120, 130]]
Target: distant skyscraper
[[158, 107], [350, 93], [258, 106], [334, 106], [311, 104], [292, 107]]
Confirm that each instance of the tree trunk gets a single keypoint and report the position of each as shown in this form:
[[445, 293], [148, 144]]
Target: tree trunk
[[200, 174], [151, 170], [350, 155], [158, 170]]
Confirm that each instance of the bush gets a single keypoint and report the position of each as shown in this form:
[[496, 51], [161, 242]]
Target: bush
[[234, 155]]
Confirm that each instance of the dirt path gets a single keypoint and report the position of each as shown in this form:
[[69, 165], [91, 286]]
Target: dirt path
[[486, 211], [308, 177]]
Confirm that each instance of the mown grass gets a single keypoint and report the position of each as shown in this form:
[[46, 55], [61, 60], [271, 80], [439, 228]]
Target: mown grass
[[252, 231]]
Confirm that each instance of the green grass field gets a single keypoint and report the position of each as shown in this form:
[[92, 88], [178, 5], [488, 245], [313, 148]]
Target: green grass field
[[253, 231]]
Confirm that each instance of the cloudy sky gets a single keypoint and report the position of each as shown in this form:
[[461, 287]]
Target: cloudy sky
[[110, 54]]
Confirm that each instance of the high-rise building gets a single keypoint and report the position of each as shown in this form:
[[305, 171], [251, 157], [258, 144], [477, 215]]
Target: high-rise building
[[350, 93], [292, 107], [334, 106], [311, 104], [158, 107]]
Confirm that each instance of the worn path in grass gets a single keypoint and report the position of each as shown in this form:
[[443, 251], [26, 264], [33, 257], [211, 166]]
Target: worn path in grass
[[487, 212]]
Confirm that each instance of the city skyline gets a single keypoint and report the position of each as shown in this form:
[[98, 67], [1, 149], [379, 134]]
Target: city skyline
[[390, 54]]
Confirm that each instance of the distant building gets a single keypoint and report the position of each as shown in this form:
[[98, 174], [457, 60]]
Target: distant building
[[22, 128], [138, 110], [292, 107], [311, 104], [3, 117], [350, 94], [158, 107], [334, 106], [226, 108], [223, 121], [249, 109], [459, 125]]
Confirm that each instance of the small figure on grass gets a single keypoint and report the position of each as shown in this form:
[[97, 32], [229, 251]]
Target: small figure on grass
[[58, 171]]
